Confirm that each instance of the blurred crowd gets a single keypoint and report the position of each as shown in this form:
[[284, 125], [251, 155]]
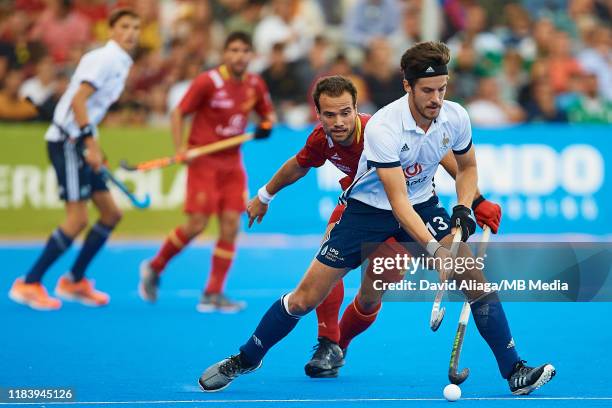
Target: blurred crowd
[[512, 61]]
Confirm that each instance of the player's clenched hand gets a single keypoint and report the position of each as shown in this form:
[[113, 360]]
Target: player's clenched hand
[[93, 154], [487, 213], [182, 152], [461, 219], [443, 258], [256, 210], [263, 131]]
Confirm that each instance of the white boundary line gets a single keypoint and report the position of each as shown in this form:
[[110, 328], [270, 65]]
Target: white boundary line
[[306, 400]]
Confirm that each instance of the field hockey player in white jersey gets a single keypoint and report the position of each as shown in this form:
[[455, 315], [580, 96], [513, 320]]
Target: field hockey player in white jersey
[[76, 156], [393, 196]]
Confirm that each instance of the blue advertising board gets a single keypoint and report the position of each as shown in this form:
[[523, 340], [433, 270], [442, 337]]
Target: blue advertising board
[[547, 178]]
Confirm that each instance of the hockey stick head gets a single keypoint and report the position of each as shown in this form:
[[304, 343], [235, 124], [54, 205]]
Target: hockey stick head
[[141, 204], [437, 315], [458, 377]]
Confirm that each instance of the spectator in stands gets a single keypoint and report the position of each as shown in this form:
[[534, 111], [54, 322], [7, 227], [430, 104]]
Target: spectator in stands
[[283, 25], [246, 19], [368, 19], [539, 72], [597, 58], [381, 73], [317, 61], [542, 106], [12, 107], [47, 107], [512, 76], [177, 90], [543, 35], [150, 35], [464, 81], [60, 29], [15, 44], [283, 81], [563, 64], [488, 47], [590, 107], [489, 110], [41, 86], [517, 33], [409, 31]]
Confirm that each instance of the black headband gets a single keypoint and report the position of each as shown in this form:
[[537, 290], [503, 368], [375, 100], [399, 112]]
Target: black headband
[[430, 71]]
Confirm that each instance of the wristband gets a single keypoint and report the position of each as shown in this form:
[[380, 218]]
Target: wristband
[[86, 131], [264, 196], [432, 247], [477, 201]]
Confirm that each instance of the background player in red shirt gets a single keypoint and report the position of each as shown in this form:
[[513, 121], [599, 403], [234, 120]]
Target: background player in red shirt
[[220, 100], [339, 139]]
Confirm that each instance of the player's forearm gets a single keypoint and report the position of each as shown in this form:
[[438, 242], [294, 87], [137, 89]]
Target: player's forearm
[[394, 184], [450, 166], [79, 107], [289, 173], [465, 184], [79, 104], [176, 128], [410, 221]]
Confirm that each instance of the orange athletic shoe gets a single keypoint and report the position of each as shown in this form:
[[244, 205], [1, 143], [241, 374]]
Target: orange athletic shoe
[[82, 291], [33, 295]]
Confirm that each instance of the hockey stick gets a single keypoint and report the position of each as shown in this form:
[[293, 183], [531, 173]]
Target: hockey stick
[[188, 155], [454, 376], [437, 312], [143, 203]]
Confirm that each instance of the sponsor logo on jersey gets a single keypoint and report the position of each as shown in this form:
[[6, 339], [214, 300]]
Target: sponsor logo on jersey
[[412, 170]]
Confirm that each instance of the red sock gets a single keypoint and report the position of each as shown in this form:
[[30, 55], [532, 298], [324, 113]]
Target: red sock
[[354, 322], [327, 313], [223, 255], [174, 243]]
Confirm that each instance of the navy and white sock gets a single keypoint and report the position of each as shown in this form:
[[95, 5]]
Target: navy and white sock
[[97, 236], [56, 245], [493, 327], [273, 327]]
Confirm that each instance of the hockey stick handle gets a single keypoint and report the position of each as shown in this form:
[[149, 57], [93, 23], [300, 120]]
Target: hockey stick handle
[[437, 311], [217, 146], [189, 154]]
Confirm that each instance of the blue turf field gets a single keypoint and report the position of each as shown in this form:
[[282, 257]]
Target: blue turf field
[[138, 353]]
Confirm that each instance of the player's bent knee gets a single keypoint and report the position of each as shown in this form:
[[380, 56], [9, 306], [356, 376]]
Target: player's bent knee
[[113, 218], [75, 223], [196, 224], [229, 234], [229, 228], [300, 304]]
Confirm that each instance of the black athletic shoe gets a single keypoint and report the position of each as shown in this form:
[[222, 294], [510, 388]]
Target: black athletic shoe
[[326, 360], [221, 374], [524, 380]]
